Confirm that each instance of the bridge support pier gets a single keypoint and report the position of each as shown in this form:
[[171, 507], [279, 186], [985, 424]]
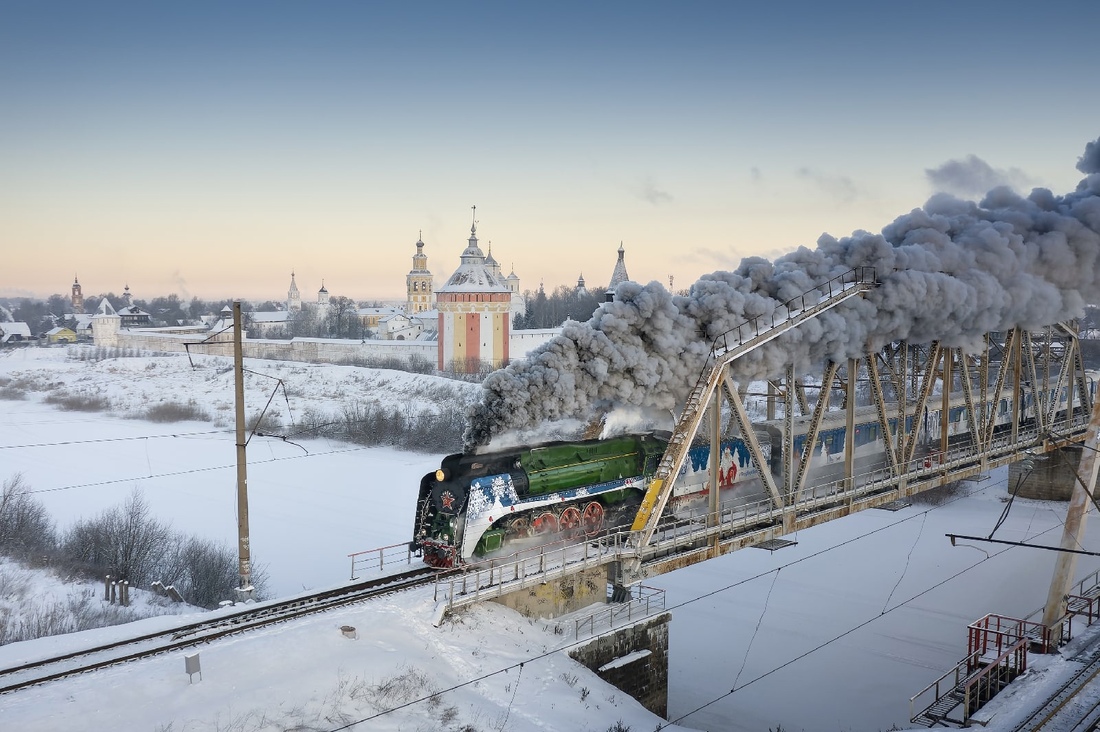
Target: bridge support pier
[[1047, 477], [633, 659]]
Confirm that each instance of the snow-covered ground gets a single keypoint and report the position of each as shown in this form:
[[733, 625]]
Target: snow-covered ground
[[308, 498], [833, 634], [35, 602], [309, 675]]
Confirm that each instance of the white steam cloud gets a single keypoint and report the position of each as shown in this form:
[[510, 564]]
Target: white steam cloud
[[973, 176], [950, 271]]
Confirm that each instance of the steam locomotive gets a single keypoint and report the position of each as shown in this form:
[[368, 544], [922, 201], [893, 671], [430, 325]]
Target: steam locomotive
[[475, 504]]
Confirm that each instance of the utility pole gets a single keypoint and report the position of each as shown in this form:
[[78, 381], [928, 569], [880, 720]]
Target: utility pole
[[1074, 531], [244, 553]]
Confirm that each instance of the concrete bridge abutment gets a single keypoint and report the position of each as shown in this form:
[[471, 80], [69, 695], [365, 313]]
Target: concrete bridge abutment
[[1048, 477], [548, 600], [633, 657]]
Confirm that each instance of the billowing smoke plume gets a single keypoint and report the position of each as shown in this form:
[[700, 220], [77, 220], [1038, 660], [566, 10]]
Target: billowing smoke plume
[[951, 271]]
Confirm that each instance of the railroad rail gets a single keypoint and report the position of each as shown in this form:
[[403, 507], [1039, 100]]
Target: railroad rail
[[172, 639], [1058, 713]]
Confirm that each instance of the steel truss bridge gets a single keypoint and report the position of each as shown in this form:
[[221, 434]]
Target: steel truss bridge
[[938, 415]]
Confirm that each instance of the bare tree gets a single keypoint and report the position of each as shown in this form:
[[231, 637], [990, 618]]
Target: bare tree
[[125, 541], [25, 526], [204, 572], [343, 319]]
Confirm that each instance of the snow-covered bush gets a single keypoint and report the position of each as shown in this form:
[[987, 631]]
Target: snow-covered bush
[[129, 543]]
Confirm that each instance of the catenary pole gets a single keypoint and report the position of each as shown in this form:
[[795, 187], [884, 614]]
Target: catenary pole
[[244, 553], [1074, 530]]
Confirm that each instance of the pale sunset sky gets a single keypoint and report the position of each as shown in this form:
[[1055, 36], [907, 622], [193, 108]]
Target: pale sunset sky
[[209, 149]]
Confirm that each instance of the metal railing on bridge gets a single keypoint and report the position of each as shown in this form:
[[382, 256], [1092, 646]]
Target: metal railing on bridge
[[496, 577], [688, 530], [644, 602], [783, 313], [378, 561]]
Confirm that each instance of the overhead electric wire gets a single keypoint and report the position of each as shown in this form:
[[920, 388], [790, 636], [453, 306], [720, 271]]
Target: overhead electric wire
[[759, 622], [711, 593], [67, 443], [197, 470], [908, 558], [283, 438], [848, 632]]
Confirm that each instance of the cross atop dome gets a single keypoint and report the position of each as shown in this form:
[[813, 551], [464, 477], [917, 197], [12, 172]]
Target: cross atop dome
[[473, 254]]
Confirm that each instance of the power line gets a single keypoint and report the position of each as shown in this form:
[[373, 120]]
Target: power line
[[112, 439], [196, 470], [690, 601], [848, 632]]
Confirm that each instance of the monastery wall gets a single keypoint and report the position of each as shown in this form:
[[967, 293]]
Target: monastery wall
[[309, 350], [525, 341]]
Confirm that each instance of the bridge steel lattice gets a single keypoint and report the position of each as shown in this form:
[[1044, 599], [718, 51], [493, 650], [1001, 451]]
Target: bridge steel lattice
[[936, 415]]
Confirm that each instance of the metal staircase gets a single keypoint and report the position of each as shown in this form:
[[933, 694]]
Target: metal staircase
[[727, 347]]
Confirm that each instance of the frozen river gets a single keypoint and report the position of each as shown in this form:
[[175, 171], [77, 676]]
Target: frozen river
[[862, 614]]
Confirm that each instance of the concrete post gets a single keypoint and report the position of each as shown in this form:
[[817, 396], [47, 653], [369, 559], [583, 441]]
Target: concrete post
[[1074, 531], [244, 552]]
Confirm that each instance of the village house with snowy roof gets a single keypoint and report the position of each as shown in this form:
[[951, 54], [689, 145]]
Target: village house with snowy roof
[[14, 332], [60, 334]]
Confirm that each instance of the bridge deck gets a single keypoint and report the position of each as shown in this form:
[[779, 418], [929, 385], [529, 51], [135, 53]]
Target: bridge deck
[[688, 539]]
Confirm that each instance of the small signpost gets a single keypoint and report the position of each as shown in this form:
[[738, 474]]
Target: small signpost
[[191, 666]]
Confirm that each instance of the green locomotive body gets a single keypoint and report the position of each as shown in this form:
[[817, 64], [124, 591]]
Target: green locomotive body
[[477, 503]]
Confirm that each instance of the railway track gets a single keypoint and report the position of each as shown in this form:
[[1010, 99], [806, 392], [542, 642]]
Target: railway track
[[1058, 714], [192, 634]]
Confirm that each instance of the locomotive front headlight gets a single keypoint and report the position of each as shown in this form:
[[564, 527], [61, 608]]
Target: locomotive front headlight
[[440, 475]]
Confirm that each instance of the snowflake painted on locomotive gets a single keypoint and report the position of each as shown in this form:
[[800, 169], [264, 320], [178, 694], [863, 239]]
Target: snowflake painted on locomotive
[[475, 504]]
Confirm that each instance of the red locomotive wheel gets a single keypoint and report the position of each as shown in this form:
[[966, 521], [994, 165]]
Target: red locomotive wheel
[[593, 519], [545, 523], [571, 523]]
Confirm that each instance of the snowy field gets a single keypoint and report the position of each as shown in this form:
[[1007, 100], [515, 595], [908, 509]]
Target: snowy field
[[835, 633], [311, 501]]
